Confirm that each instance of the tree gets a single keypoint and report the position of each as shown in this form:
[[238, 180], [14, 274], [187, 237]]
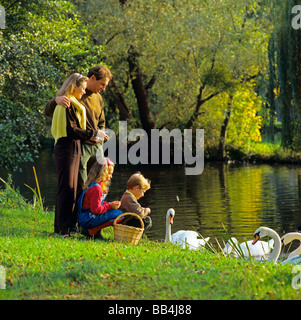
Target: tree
[[44, 41], [125, 26], [231, 50], [184, 53], [141, 90], [221, 152], [285, 75]]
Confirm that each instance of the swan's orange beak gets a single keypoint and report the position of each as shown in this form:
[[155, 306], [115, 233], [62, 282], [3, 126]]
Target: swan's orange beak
[[170, 219], [256, 238]]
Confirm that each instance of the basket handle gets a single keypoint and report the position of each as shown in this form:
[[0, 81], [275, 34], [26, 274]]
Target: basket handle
[[129, 214]]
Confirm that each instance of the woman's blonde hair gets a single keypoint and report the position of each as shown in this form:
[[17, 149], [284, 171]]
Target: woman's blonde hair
[[137, 179], [75, 80], [99, 172]]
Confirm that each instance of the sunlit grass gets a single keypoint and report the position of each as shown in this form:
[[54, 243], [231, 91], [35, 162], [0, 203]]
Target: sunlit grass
[[264, 152], [265, 148]]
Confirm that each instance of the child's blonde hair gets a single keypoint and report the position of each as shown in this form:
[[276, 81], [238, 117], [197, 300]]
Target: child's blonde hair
[[69, 85], [137, 179], [99, 172]]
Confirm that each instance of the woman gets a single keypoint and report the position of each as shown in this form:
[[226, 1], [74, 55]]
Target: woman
[[68, 129]]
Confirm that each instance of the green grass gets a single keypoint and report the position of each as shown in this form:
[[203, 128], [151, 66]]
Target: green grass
[[264, 152], [40, 265]]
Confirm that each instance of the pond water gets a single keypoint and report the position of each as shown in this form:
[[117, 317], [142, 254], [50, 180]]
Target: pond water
[[240, 196]]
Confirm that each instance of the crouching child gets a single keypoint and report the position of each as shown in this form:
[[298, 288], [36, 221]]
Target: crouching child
[[137, 185]]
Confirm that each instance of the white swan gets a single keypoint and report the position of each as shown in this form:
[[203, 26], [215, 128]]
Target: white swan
[[263, 232], [185, 238], [258, 251], [295, 256]]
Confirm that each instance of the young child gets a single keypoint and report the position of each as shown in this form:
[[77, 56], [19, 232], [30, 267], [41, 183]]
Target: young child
[[92, 209], [136, 186]]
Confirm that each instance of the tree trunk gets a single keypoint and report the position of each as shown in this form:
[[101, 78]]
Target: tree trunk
[[271, 96], [221, 154], [141, 91], [117, 97], [200, 101], [196, 110]]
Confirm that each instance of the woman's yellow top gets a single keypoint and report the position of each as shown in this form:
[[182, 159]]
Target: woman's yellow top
[[59, 119]]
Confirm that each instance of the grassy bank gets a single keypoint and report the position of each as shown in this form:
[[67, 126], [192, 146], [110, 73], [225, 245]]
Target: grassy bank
[[40, 265], [257, 152], [272, 153]]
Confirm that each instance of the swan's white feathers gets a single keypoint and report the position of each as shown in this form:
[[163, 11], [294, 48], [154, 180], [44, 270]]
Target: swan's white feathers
[[188, 239], [184, 238], [260, 250]]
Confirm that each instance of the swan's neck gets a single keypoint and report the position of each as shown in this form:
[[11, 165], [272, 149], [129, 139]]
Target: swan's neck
[[168, 231], [295, 236], [277, 246], [296, 252]]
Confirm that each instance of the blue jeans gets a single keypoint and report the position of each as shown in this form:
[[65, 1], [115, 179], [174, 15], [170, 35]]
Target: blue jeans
[[88, 220]]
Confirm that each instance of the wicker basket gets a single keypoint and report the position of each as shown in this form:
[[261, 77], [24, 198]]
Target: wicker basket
[[126, 233]]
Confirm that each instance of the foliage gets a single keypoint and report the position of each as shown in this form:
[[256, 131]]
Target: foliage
[[20, 129], [193, 50], [245, 122], [11, 198], [44, 41], [189, 55]]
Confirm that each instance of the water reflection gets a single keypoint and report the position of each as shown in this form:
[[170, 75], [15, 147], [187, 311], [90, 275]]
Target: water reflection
[[242, 197]]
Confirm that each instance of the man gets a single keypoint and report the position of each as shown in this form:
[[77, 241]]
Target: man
[[99, 77]]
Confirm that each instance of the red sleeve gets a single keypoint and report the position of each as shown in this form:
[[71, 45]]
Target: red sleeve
[[93, 196]]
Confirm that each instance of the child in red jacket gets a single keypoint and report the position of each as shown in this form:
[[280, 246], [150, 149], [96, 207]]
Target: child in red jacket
[[92, 209]]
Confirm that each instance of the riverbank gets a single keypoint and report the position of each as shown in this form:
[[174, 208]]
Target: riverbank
[[40, 265], [260, 152]]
